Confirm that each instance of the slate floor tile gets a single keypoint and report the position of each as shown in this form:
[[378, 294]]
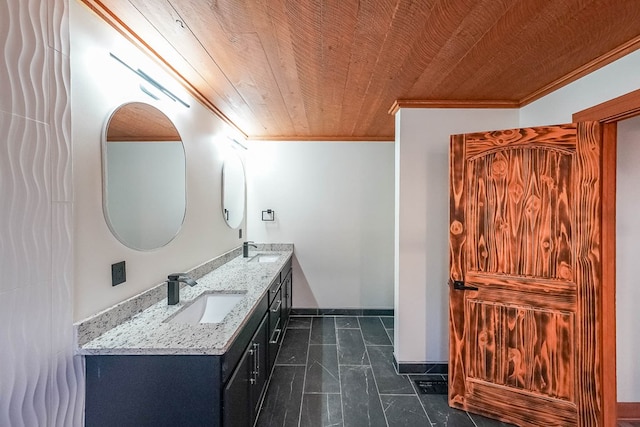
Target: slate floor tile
[[299, 322], [404, 411], [387, 321], [373, 331], [323, 330], [389, 382], [360, 400], [347, 322], [322, 370], [281, 406], [321, 410], [441, 415], [390, 334], [338, 371], [294, 347], [351, 349]]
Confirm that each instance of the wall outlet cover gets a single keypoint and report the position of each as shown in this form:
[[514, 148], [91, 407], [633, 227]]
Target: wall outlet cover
[[118, 273]]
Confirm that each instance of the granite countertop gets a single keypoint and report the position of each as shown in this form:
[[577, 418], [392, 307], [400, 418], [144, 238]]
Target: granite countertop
[[148, 332]]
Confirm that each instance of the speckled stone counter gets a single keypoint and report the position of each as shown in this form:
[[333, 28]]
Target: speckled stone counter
[[148, 332]]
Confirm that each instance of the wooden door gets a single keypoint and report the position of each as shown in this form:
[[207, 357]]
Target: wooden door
[[525, 237]]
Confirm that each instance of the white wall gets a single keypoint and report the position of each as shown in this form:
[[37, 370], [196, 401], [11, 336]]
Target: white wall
[[611, 81], [99, 85], [40, 379], [334, 201], [421, 224], [627, 268]]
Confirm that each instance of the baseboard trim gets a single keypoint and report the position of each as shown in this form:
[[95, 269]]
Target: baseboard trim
[[421, 368], [629, 411], [341, 312]]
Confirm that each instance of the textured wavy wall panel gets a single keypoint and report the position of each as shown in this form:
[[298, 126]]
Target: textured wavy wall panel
[[40, 380]]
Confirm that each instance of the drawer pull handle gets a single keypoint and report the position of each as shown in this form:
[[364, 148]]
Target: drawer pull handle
[[275, 310], [252, 353], [277, 338], [256, 360]]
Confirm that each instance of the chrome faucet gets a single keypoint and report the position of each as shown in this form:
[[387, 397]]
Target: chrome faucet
[[173, 286], [245, 248]]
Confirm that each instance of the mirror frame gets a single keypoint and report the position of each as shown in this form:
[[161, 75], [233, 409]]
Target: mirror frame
[[233, 154], [105, 183]]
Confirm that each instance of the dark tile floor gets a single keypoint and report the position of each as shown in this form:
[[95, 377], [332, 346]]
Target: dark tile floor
[[338, 371]]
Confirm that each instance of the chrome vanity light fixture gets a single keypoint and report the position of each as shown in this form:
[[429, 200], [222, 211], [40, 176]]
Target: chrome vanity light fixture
[[152, 82], [236, 142]]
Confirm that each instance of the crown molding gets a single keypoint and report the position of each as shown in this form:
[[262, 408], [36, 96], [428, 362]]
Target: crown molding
[[616, 109], [306, 138], [617, 53], [445, 103], [601, 61]]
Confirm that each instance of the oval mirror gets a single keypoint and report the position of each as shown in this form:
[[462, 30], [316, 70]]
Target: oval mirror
[[233, 190], [144, 176]]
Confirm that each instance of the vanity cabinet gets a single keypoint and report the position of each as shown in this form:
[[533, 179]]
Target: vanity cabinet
[[287, 294], [243, 393], [275, 323], [192, 390]]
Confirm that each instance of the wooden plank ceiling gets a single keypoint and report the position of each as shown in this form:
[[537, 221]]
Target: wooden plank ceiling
[[332, 69]]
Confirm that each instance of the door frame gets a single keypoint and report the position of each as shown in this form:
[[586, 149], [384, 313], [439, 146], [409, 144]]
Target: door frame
[[609, 113]]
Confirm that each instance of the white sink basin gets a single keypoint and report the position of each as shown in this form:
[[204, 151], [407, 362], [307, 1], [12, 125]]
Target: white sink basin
[[264, 258], [208, 308]]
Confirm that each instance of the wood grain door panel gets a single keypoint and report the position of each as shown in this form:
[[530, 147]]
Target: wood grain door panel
[[525, 220]]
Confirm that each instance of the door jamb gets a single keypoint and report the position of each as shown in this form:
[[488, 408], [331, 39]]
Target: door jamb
[[609, 113]]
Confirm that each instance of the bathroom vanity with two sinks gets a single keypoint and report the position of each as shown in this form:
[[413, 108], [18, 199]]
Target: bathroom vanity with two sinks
[[204, 361]]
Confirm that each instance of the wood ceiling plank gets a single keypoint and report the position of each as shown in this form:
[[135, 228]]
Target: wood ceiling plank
[[458, 23], [545, 31], [492, 48], [173, 28], [232, 15], [579, 46], [373, 24], [242, 59], [409, 20], [449, 45], [331, 68], [501, 65], [339, 20], [305, 23], [270, 21]]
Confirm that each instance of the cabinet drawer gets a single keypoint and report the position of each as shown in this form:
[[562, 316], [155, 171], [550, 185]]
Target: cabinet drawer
[[231, 358], [285, 270], [273, 290], [275, 339], [274, 311]]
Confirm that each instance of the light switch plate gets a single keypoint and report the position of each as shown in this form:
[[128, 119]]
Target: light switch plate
[[118, 273]]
